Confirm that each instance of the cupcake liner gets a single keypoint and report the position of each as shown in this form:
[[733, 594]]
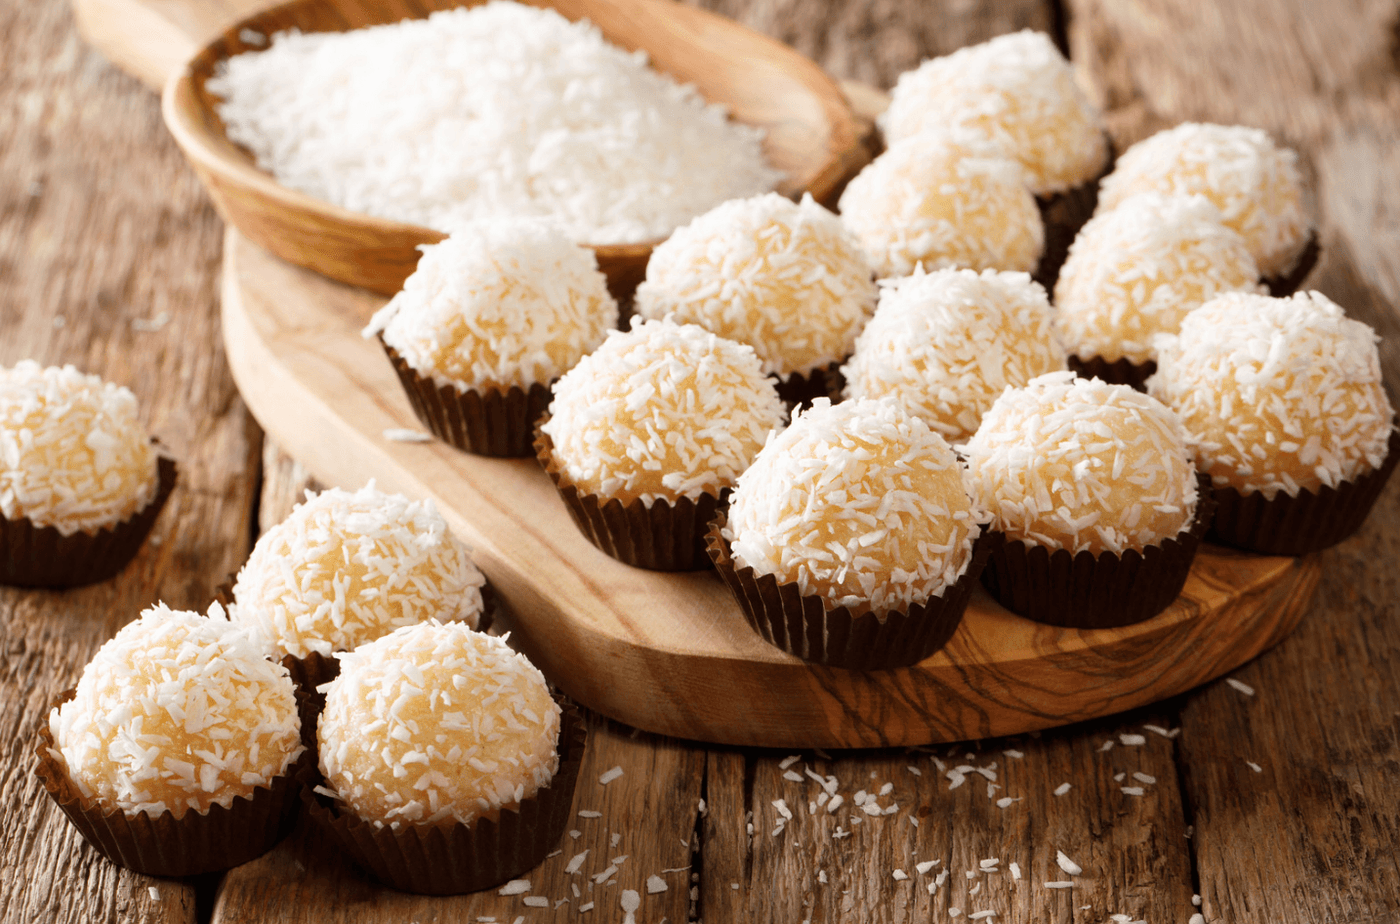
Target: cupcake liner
[[162, 845], [487, 423], [1312, 521], [799, 390], [804, 626], [453, 859], [1063, 215], [666, 536], [41, 556], [1286, 285], [1088, 591], [1122, 371]]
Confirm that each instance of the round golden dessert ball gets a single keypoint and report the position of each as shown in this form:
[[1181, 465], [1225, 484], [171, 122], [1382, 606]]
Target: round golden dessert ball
[[1277, 394], [786, 278], [1137, 271], [177, 712], [437, 724], [73, 455], [1076, 464], [346, 567], [943, 202], [859, 503], [499, 304], [1255, 184], [1016, 93], [664, 411], [945, 344]]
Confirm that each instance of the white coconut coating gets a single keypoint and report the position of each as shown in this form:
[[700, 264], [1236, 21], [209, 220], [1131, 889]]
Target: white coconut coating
[[346, 567], [1254, 183], [437, 724], [1080, 465], [860, 503], [943, 202], [499, 304], [177, 712], [665, 410], [1017, 93], [785, 278], [1277, 394], [73, 455], [1137, 271]]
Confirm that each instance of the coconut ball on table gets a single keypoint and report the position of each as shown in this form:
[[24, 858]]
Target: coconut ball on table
[[945, 344]]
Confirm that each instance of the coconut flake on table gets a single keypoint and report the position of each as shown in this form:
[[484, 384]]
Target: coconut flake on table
[[494, 111]]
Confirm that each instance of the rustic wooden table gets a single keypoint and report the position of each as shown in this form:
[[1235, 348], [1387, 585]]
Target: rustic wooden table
[[1275, 799]]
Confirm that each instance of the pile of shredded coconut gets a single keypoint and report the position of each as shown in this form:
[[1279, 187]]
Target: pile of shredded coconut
[[1016, 92], [787, 279], [860, 503], [499, 304], [943, 201], [1255, 184], [72, 453], [1138, 270], [485, 113], [345, 568], [1080, 465], [177, 712], [1277, 394], [437, 724], [666, 410], [945, 344]]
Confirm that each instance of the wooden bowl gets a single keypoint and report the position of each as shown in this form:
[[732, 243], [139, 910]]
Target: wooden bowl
[[812, 135]]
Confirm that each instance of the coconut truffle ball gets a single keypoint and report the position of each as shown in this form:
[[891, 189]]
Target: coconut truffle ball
[[345, 568], [73, 455], [1138, 270], [1255, 184], [665, 410], [942, 201], [1015, 92], [177, 712], [437, 724], [1277, 394], [945, 344], [859, 503], [785, 278], [1077, 464], [499, 304]]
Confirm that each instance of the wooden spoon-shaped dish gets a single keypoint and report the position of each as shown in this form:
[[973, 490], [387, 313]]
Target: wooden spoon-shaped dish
[[812, 135]]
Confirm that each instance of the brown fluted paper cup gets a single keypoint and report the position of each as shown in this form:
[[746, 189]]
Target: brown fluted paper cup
[[804, 626], [1063, 215], [454, 859], [1122, 371], [1285, 285], [798, 390], [41, 556]]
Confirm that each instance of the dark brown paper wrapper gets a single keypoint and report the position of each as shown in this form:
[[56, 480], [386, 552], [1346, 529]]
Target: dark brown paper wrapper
[[800, 390], [487, 423], [41, 556], [1284, 286], [802, 625], [1311, 521], [1063, 215], [1088, 591], [667, 536], [219, 839], [1119, 372], [454, 859]]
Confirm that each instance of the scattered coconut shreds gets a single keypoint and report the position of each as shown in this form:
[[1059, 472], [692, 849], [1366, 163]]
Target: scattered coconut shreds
[[990, 863], [153, 892], [1119, 777], [586, 813], [1066, 864], [1062, 789], [835, 803], [405, 435], [575, 833], [1133, 790], [1107, 746], [1158, 730], [656, 884], [536, 901], [899, 875], [789, 761], [980, 915], [575, 863], [925, 866], [1240, 685], [913, 820], [585, 907], [702, 808], [150, 325], [954, 912], [792, 775], [605, 875], [616, 839], [515, 887], [609, 776], [1015, 871], [914, 770], [676, 869], [1007, 801], [1196, 900], [1197, 918], [821, 876], [1144, 777], [1133, 740], [1013, 753], [1059, 884], [1255, 767]]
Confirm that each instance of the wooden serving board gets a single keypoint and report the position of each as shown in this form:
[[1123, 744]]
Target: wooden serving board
[[672, 653]]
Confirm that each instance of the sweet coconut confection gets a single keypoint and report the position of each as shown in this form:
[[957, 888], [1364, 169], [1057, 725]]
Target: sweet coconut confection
[[1254, 183], [346, 567], [945, 344], [943, 201], [665, 411], [1277, 394], [1136, 272], [786, 278], [73, 455], [1018, 94], [496, 305], [1082, 465], [176, 713], [437, 724], [860, 503]]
